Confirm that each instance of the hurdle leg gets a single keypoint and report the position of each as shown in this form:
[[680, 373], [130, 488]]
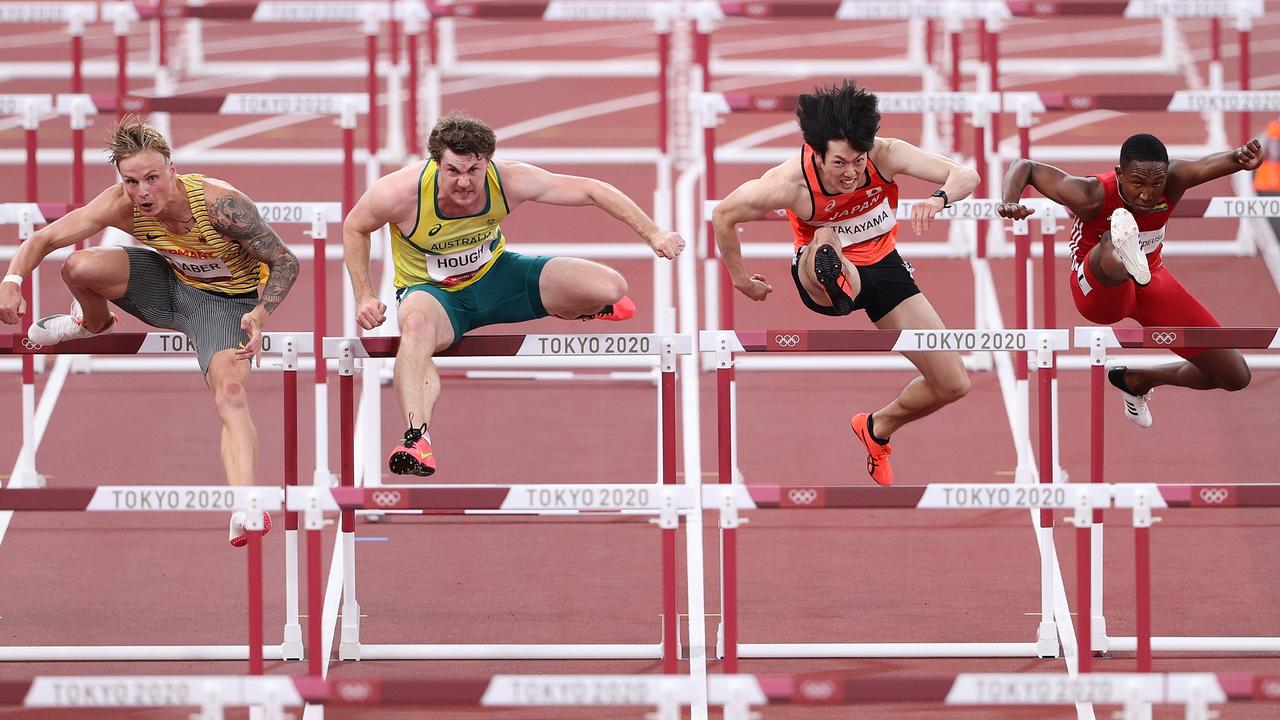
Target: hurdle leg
[[1142, 521], [1047, 633], [1097, 641], [253, 530], [291, 648], [349, 649]]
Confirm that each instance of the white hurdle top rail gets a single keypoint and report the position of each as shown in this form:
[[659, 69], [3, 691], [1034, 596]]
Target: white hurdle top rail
[[162, 343], [143, 498], [1168, 338], [553, 345], [802, 341]]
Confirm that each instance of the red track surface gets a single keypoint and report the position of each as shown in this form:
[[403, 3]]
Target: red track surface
[[816, 576]]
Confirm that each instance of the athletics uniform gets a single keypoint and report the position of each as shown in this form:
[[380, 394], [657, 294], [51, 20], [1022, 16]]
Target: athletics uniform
[[198, 283], [463, 261], [1162, 302], [865, 220]]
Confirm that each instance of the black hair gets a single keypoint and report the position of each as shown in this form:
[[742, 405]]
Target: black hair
[[1143, 148], [838, 112]]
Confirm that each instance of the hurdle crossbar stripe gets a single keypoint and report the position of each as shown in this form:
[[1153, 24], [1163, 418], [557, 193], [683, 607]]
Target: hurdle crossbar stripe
[[1240, 338], [635, 498], [561, 345], [149, 691], [167, 343], [804, 341], [142, 498], [48, 12]]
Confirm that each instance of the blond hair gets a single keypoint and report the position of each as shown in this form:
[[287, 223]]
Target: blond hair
[[463, 135], [131, 136]]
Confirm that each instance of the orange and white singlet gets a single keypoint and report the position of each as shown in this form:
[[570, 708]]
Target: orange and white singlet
[[201, 257], [865, 220]]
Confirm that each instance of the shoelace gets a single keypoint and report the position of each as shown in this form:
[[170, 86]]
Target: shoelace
[[414, 434]]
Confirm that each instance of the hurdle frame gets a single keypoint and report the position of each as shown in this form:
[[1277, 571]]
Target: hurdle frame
[[168, 342]]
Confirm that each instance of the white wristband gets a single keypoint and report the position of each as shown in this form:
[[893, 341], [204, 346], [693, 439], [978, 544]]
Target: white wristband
[[15, 279]]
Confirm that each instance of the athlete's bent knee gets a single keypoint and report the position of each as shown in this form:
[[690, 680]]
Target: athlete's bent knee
[[615, 287], [230, 396], [77, 271], [1236, 379], [952, 388]]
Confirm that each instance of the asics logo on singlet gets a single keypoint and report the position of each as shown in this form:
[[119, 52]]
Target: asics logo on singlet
[[802, 496], [1164, 338], [830, 206], [787, 341], [432, 232], [386, 498], [818, 689], [1213, 496]]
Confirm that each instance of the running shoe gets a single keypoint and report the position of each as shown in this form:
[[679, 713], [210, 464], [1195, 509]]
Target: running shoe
[[238, 535], [624, 309], [1136, 407], [1124, 238], [413, 455], [877, 453], [53, 329], [830, 273]]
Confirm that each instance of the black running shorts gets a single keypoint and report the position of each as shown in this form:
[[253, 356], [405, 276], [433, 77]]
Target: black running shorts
[[885, 284]]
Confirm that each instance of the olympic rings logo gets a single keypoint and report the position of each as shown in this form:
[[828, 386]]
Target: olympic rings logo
[[1213, 496], [355, 690], [386, 498], [1164, 337], [787, 341], [29, 344], [818, 689], [802, 496]]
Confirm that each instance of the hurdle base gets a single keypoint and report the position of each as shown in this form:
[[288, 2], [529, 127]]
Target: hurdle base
[[1100, 643], [888, 650], [461, 651], [1047, 640], [291, 648], [1199, 644], [75, 653]]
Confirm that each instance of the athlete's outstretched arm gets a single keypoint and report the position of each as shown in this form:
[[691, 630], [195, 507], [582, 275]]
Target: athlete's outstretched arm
[[956, 180], [750, 201], [379, 205], [1186, 174], [522, 181], [105, 210], [1082, 196], [233, 214]]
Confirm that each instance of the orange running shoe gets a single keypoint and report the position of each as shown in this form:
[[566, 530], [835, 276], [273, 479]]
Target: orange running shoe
[[238, 535], [413, 455], [624, 309], [877, 453]]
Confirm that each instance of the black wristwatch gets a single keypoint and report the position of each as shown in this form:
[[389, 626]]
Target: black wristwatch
[[946, 201]]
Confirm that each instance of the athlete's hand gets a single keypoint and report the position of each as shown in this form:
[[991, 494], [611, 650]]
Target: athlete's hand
[[251, 323], [922, 213], [666, 244], [12, 304], [1249, 155], [756, 287], [1014, 211], [371, 312]]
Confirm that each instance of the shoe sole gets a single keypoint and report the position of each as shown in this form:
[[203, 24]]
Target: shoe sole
[[1133, 259], [402, 463], [828, 269]]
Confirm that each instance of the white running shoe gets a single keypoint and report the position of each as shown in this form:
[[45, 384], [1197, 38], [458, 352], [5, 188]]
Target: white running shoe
[[238, 536], [1124, 238], [53, 329], [1136, 407]]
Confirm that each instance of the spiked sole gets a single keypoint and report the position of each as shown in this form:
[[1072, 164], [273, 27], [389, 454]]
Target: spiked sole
[[828, 269]]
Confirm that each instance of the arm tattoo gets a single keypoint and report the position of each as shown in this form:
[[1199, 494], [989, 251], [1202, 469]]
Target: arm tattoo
[[236, 217]]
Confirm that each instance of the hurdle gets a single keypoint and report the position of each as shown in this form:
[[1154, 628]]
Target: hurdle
[[155, 498], [737, 694], [723, 344], [346, 351], [34, 423], [1100, 340]]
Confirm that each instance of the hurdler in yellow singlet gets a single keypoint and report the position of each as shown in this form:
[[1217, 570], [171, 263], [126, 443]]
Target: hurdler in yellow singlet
[[201, 258], [449, 252]]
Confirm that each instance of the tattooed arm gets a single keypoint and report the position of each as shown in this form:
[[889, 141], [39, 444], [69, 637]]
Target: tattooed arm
[[235, 216]]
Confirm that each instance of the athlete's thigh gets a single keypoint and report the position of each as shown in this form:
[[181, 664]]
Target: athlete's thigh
[[567, 283], [105, 269], [917, 313], [424, 308], [225, 367]]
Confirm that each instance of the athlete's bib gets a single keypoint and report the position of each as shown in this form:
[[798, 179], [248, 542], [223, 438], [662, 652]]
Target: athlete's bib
[[865, 226]]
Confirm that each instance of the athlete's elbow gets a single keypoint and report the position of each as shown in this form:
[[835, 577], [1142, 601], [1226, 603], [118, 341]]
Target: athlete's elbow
[[969, 179]]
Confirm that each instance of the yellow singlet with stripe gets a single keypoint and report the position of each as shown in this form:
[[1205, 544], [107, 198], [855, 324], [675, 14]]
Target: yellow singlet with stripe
[[201, 257], [450, 253]]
